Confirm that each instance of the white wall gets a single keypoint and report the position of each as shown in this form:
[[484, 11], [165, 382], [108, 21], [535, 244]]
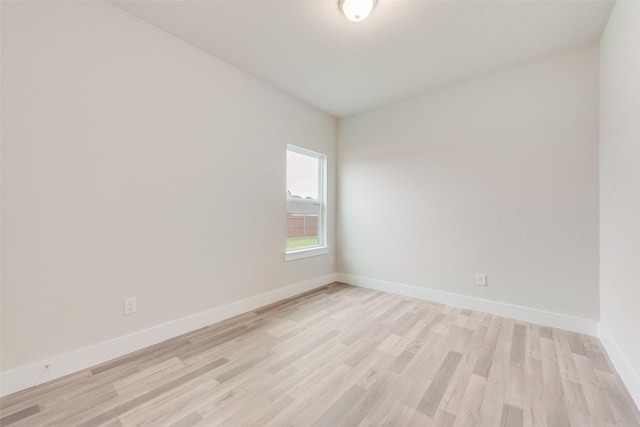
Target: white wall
[[135, 165], [620, 189], [498, 175]]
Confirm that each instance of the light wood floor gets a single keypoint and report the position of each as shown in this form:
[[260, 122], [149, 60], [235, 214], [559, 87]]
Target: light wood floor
[[343, 355]]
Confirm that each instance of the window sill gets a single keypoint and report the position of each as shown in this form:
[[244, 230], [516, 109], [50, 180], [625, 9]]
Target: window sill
[[306, 253]]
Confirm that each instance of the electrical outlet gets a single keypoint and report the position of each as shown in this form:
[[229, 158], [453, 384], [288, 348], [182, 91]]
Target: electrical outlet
[[330, 259], [481, 279], [130, 305]]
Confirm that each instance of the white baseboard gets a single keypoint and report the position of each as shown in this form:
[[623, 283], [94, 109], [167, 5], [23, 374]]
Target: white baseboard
[[527, 314], [629, 377], [82, 358]]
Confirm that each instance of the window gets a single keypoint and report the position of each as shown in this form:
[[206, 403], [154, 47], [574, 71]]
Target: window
[[306, 209]]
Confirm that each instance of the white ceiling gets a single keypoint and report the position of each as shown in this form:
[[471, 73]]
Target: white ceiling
[[308, 49]]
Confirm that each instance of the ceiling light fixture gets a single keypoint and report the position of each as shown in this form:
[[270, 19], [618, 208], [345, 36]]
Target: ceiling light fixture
[[356, 10]]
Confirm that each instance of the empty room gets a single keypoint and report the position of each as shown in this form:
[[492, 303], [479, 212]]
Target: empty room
[[320, 213]]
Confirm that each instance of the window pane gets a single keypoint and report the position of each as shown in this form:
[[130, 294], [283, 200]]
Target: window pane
[[305, 207], [302, 224], [302, 176]]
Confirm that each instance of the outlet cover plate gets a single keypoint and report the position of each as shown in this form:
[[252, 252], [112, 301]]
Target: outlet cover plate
[[481, 279], [130, 305]]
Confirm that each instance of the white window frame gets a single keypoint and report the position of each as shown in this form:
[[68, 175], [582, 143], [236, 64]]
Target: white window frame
[[321, 248]]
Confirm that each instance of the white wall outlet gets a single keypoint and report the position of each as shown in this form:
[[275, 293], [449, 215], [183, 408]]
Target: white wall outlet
[[330, 259], [481, 279], [130, 305]]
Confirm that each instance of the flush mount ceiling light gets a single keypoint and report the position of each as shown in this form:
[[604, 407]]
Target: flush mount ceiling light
[[356, 10]]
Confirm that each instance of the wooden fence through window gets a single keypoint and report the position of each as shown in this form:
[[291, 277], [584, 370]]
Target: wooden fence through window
[[302, 225]]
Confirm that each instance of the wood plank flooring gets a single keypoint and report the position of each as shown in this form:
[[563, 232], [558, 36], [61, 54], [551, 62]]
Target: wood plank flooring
[[344, 356]]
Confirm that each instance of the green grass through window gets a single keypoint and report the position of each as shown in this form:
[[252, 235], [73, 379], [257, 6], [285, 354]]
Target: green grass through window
[[301, 241]]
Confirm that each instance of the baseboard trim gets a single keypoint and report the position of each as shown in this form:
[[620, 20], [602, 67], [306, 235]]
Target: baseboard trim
[[629, 377], [527, 314], [34, 374]]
